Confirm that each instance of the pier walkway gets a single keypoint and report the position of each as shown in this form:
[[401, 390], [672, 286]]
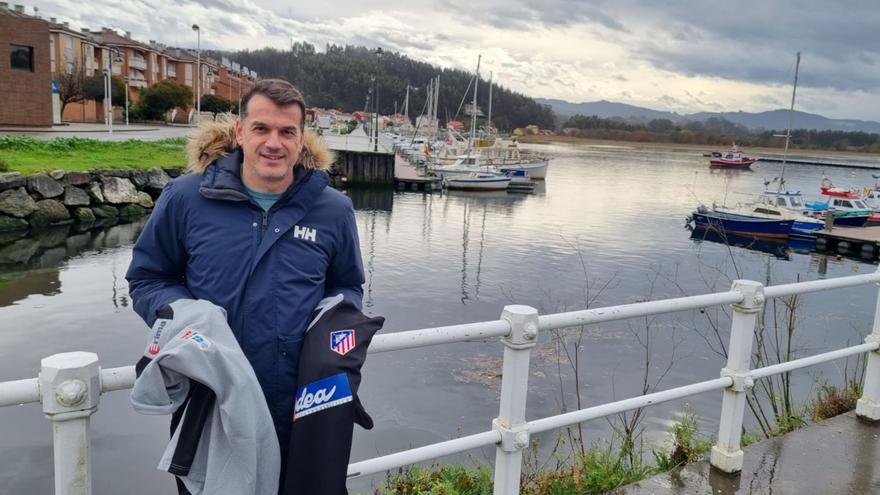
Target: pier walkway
[[836, 456]]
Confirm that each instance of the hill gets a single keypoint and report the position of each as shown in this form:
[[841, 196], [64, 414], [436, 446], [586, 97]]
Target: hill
[[773, 119], [340, 77]]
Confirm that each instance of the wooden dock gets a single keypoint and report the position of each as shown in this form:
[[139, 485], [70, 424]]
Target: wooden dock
[[853, 241], [408, 176]]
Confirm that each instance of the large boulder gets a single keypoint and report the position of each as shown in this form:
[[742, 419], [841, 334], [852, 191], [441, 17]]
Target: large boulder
[[132, 210], [145, 200], [111, 172], [12, 180], [48, 212], [9, 224], [154, 178], [105, 211], [44, 186], [83, 214], [17, 203], [94, 192], [77, 178], [117, 190], [74, 196]]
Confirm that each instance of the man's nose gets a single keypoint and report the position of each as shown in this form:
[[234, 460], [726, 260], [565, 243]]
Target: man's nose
[[273, 140]]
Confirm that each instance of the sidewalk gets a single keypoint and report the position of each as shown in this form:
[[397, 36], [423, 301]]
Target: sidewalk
[[100, 131], [836, 456]]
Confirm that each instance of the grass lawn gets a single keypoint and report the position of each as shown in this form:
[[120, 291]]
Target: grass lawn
[[28, 155]]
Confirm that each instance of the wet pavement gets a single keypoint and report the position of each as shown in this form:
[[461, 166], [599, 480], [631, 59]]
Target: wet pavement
[[837, 456], [121, 132]]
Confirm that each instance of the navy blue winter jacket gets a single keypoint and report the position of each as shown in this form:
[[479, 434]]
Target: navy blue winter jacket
[[206, 239]]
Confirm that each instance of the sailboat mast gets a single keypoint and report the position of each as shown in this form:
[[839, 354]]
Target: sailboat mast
[[436, 101], [406, 105], [797, 65], [474, 107], [489, 121]]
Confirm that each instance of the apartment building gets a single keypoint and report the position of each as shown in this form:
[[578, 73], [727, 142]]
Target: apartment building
[[25, 80], [79, 54], [40, 53]]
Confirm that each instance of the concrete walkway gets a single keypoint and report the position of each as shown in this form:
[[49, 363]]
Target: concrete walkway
[[837, 456], [121, 132]]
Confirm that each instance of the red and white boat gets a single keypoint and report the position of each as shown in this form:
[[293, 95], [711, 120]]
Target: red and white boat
[[732, 158]]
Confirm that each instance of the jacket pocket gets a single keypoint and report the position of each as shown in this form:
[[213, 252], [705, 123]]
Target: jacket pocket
[[289, 349]]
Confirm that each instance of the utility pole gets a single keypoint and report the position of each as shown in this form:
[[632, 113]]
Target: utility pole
[[198, 73]]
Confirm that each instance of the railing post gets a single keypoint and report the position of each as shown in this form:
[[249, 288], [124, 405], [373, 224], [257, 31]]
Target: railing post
[[726, 454], [511, 420], [70, 388], [868, 407]]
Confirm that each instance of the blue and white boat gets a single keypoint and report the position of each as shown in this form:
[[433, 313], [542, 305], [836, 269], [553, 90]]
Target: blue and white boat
[[731, 223], [803, 225]]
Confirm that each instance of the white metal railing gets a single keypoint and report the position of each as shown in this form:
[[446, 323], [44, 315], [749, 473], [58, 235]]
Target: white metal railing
[[70, 384]]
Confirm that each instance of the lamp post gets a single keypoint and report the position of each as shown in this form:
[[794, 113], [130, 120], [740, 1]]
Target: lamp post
[[126, 101], [376, 100], [198, 31]]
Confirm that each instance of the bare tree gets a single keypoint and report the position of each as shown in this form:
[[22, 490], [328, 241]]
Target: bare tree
[[70, 85]]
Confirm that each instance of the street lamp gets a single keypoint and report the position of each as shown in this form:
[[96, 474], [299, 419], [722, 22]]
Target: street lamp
[[198, 31], [376, 100], [126, 101]]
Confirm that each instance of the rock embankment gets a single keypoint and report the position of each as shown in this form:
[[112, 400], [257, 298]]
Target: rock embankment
[[60, 198]]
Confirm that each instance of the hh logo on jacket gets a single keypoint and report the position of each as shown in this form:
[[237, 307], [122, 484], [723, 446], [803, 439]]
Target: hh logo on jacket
[[306, 233]]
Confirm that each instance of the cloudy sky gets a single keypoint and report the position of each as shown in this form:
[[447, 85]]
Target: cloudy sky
[[685, 56]]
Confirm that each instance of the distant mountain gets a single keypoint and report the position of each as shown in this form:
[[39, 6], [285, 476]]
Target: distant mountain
[[773, 119], [605, 109]]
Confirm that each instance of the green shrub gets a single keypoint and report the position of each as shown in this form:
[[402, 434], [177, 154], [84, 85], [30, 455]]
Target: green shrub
[[688, 443]]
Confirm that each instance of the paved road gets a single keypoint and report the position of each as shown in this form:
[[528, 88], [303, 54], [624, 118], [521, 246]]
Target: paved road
[[99, 131]]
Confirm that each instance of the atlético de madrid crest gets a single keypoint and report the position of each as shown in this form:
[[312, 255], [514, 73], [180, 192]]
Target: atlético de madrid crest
[[342, 341]]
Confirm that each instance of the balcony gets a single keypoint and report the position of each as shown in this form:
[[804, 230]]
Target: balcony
[[137, 63]]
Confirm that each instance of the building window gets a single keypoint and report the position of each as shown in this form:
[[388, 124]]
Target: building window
[[21, 57], [51, 53]]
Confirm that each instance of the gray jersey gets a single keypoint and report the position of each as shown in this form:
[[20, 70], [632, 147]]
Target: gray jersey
[[237, 451]]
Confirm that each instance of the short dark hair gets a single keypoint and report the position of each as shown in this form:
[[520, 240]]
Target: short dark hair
[[281, 92]]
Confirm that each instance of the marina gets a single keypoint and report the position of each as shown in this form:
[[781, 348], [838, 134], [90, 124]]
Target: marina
[[461, 244]]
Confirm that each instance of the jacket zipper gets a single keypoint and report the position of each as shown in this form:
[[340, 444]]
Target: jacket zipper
[[264, 224]]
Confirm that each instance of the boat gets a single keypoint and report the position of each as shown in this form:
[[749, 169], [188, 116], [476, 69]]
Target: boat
[[476, 181], [804, 226], [727, 223], [732, 158], [846, 205]]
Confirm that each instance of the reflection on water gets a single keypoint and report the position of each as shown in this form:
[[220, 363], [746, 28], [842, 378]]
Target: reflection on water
[[30, 264], [781, 249], [605, 228]]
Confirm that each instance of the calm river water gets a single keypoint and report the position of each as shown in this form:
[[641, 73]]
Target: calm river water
[[606, 227]]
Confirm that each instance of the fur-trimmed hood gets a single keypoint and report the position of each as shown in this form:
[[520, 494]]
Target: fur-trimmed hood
[[214, 139]]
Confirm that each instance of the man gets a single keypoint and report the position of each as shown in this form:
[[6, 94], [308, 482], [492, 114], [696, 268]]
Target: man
[[254, 229]]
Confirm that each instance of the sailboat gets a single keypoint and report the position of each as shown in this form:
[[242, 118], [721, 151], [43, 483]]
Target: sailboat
[[476, 177]]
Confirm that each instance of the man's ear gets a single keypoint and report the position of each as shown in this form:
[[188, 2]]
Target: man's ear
[[238, 132]]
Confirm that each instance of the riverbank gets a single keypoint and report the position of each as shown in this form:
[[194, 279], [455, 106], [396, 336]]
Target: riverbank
[[701, 148]]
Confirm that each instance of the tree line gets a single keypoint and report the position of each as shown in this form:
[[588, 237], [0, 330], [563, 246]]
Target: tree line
[[715, 131], [342, 77]]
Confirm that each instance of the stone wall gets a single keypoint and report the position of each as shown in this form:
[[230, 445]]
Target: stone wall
[[60, 198]]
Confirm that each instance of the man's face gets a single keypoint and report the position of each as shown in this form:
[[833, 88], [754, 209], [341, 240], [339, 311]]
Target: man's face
[[271, 138]]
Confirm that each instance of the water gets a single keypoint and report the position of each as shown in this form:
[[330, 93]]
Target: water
[[607, 227]]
